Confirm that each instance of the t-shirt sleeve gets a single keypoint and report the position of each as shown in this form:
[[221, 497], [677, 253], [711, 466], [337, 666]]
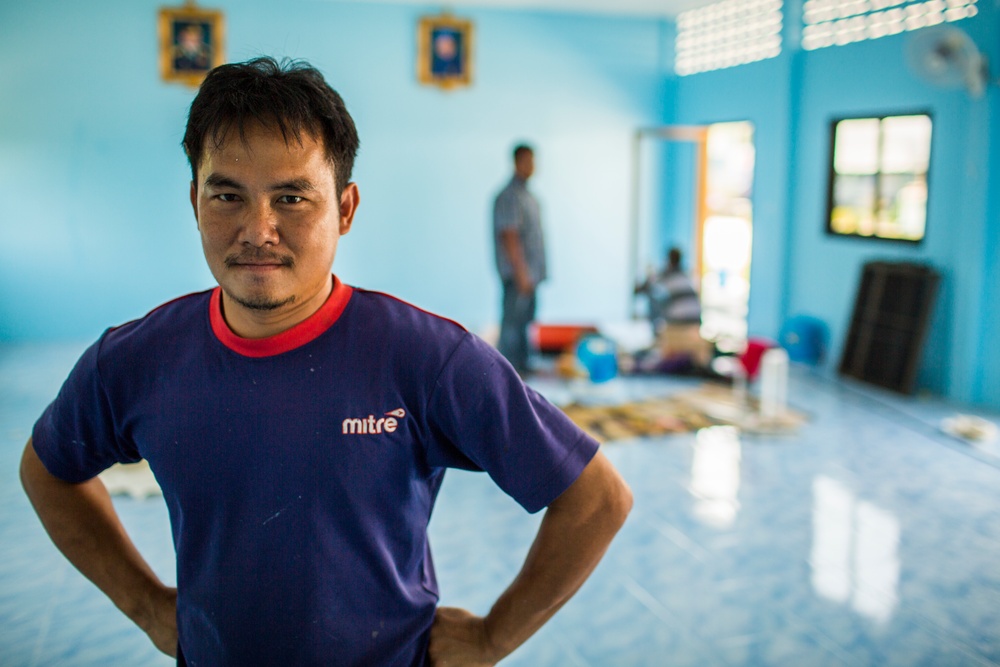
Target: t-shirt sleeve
[[481, 412], [75, 437], [506, 212]]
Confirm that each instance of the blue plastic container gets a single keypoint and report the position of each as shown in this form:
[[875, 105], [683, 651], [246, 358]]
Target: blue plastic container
[[599, 356], [805, 339]]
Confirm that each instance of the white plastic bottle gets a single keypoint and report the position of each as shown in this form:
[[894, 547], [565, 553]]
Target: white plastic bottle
[[773, 384]]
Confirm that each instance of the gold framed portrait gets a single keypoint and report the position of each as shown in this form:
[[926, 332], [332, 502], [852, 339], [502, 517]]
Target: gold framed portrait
[[444, 51], [192, 42]]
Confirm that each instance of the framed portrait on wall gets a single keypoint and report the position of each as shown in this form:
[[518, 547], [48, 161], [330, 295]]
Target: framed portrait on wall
[[192, 42], [444, 51]]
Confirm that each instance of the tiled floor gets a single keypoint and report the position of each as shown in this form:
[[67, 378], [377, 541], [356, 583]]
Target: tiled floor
[[867, 538]]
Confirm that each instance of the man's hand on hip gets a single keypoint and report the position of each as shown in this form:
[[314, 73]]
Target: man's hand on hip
[[161, 622], [459, 637]]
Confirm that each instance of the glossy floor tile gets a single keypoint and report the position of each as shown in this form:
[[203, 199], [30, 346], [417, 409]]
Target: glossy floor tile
[[867, 537]]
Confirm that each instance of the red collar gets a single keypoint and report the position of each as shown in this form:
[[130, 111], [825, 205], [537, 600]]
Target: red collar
[[304, 332]]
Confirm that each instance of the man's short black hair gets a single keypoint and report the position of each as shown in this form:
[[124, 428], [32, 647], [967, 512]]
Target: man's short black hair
[[291, 96], [674, 257], [520, 149]]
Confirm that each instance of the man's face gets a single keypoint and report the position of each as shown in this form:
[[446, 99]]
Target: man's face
[[445, 46], [190, 39], [524, 164], [270, 220]]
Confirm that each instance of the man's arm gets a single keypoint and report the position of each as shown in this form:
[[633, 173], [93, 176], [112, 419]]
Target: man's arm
[[514, 250], [83, 524], [575, 532]]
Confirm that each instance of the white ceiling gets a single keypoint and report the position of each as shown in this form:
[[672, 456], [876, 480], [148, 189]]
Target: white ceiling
[[660, 8]]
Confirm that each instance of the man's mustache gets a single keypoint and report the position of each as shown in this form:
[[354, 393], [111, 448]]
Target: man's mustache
[[257, 257]]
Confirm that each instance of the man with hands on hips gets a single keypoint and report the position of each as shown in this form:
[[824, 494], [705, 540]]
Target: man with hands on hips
[[300, 428]]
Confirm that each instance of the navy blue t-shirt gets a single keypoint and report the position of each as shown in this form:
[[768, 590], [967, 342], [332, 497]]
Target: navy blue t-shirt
[[300, 470]]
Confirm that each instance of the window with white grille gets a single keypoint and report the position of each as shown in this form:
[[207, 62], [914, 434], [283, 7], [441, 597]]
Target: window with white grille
[[839, 22], [726, 34]]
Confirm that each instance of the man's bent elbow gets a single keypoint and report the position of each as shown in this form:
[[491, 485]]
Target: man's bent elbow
[[600, 498], [615, 503], [620, 503]]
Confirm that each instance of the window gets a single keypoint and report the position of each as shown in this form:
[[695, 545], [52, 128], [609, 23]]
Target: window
[[726, 34], [839, 22], [878, 177]]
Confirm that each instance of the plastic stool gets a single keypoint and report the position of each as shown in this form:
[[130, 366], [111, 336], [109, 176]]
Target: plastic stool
[[804, 338]]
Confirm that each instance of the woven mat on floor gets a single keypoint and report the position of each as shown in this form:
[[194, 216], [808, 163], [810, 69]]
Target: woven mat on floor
[[708, 405]]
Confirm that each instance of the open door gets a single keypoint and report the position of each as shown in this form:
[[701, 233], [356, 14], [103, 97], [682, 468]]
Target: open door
[[714, 165], [726, 232]]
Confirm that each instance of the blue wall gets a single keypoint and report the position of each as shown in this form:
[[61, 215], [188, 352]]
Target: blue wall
[[797, 267], [93, 183], [987, 386]]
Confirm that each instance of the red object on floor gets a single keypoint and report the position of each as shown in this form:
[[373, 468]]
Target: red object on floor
[[555, 338], [756, 347]]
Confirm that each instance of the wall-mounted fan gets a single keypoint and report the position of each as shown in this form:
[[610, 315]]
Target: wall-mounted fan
[[947, 56]]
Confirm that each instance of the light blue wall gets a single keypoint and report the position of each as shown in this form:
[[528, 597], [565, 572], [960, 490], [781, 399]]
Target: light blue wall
[[92, 208], [797, 267], [987, 386], [97, 228], [93, 183]]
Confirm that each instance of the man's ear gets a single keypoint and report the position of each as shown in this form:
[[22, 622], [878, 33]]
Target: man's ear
[[349, 200], [194, 203]]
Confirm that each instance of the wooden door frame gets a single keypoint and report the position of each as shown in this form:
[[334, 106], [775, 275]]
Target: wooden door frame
[[698, 135]]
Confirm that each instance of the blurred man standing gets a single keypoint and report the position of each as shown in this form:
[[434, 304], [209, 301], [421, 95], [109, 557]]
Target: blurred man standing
[[520, 256]]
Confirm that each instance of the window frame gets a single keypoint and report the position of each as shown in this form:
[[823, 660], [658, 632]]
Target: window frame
[[832, 174]]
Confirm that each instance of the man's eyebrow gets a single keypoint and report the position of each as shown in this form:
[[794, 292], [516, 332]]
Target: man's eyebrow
[[296, 184], [220, 181]]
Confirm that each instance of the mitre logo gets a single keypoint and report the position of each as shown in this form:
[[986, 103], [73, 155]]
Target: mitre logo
[[370, 425]]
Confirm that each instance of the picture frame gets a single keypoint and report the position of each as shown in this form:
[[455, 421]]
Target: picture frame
[[192, 42], [444, 51]]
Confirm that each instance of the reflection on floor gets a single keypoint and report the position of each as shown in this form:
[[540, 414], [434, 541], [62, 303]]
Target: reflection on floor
[[867, 537]]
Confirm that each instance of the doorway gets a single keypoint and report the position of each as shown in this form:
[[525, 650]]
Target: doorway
[[727, 232], [705, 181]]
